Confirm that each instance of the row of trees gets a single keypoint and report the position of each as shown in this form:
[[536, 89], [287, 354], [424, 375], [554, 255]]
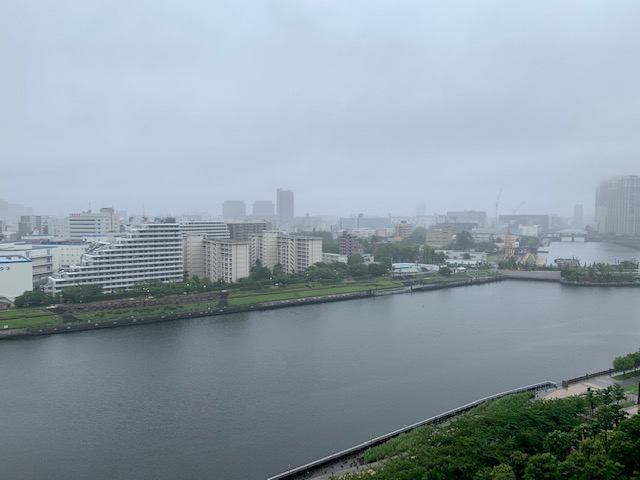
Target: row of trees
[[602, 273], [519, 438], [628, 362]]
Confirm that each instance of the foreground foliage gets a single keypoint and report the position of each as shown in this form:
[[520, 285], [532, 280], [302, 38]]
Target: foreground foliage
[[518, 438]]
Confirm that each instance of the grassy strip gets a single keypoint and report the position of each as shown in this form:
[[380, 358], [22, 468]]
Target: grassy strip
[[145, 311], [14, 314], [31, 321], [633, 388], [628, 375], [315, 292]]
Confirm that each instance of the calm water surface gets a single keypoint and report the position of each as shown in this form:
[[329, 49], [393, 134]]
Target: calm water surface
[[591, 252], [243, 396]]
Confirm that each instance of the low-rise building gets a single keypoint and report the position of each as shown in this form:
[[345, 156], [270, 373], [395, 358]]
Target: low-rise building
[[16, 275], [439, 236]]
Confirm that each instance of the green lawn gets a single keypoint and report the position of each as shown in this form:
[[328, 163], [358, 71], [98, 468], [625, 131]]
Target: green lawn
[[27, 318]]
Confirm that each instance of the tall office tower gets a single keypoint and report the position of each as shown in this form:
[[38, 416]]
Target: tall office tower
[[234, 209], [284, 203], [29, 224], [578, 216], [263, 209], [79, 225], [618, 206], [420, 210], [148, 252]]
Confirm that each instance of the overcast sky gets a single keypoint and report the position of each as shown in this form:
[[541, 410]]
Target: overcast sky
[[357, 106]]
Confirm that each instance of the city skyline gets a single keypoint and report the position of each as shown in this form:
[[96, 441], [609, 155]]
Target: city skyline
[[376, 107]]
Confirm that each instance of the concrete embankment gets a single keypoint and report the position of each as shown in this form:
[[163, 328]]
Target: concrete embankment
[[71, 327], [332, 462], [538, 275]]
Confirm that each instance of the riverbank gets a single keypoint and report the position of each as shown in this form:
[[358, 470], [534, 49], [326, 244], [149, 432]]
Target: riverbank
[[75, 323]]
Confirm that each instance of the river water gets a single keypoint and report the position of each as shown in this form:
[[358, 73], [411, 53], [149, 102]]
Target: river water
[[591, 252], [244, 396]]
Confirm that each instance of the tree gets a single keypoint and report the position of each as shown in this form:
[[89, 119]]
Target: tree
[[444, 271], [499, 472], [355, 260], [464, 240], [419, 235], [543, 466], [623, 363], [80, 293], [36, 298]]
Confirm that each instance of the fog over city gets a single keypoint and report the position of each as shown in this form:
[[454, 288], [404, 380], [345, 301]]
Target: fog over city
[[359, 106]]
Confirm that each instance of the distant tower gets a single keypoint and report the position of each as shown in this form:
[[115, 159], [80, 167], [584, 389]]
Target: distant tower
[[578, 216], [263, 209], [618, 206], [285, 211], [234, 209]]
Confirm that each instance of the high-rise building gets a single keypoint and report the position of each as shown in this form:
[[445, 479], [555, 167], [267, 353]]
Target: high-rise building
[[578, 216], [420, 210], [350, 244], [618, 206], [242, 230], [234, 209], [148, 252], [79, 225], [226, 260], [213, 228], [294, 253], [29, 224], [263, 209], [285, 209]]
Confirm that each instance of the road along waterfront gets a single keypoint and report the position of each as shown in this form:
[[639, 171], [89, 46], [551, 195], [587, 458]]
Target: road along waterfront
[[244, 396]]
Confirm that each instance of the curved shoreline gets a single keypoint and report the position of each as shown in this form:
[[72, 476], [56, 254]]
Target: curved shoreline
[[27, 332]]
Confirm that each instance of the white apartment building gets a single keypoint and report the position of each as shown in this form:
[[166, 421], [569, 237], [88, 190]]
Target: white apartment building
[[294, 253], [226, 260], [78, 225], [194, 255], [148, 252], [264, 248], [212, 228]]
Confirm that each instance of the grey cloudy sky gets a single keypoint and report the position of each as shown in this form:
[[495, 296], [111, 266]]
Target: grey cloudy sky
[[358, 106]]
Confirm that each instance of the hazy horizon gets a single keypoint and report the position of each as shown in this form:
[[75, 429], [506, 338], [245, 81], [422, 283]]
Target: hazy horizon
[[358, 107]]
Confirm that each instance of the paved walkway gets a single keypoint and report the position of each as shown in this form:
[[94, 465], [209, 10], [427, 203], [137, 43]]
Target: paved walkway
[[596, 383]]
